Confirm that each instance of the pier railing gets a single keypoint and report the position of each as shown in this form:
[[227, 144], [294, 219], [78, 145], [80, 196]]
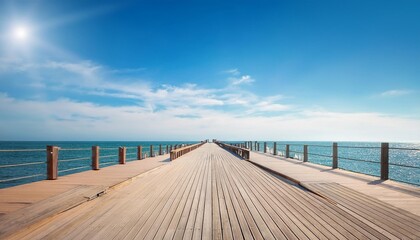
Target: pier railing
[[377, 155], [235, 148], [61, 161], [176, 153]]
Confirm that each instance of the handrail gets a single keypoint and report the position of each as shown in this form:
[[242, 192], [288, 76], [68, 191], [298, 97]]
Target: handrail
[[53, 167], [242, 152], [176, 153], [383, 160]]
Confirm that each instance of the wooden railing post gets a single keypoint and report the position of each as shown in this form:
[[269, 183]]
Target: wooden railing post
[[275, 149], [160, 149], [52, 162], [335, 156], [287, 150], [255, 145], [384, 161], [258, 147], [167, 149], [265, 147], [139, 152], [151, 150], [305, 153], [95, 157], [121, 155], [250, 145]]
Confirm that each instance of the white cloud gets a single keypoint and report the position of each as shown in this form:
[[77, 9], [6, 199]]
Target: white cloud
[[395, 93], [242, 80], [236, 80], [234, 72], [267, 106], [64, 119], [177, 112]]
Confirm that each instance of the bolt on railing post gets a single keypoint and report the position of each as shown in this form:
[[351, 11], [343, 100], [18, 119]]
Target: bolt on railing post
[[384, 161], [265, 147], [52, 162], [121, 155], [160, 149], [151, 150], [335, 156], [275, 149], [287, 150], [139, 152], [95, 157], [305, 153]]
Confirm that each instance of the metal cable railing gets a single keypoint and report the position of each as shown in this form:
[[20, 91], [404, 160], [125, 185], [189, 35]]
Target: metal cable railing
[[72, 169], [359, 160], [20, 178], [107, 163], [403, 165], [22, 150], [74, 159], [68, 160], [21, 164], [407, 149], [109, 156], [75, 149], [320, 155], [316, 155], [359, 147]]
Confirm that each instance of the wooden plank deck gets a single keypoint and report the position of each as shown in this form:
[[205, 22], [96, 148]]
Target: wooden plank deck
[[397, 194], [211, 194], [22, 196]]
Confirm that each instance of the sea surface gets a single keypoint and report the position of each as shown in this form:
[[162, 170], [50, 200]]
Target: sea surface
[[73, 157], [362, 157]]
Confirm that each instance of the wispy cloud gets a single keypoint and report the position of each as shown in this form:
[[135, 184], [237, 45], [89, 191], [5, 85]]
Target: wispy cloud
[[242, 80], [236, 79], [89, 78], [67, 119], [395, 93], [234, 72], [166, 111]]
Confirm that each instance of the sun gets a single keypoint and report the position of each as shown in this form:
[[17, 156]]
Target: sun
[[21, 33]]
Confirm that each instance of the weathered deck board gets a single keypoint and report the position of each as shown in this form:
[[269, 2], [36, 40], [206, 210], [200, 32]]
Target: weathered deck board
[[397, 194], [211, 194], [398, 222], [18, 197]]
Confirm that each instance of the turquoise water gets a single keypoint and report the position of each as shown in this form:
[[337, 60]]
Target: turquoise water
[[68, 151], [362, 160]]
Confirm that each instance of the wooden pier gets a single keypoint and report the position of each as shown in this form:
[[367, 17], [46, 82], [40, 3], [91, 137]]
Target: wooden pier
[[211, 193]]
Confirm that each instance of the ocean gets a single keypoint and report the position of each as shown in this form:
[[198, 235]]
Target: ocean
[[362, 157]]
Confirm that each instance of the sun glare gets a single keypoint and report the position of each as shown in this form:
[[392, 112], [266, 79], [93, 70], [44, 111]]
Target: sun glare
[[21, 33]]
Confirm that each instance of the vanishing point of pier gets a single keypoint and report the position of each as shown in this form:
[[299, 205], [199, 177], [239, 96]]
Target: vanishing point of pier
[[212, 191]]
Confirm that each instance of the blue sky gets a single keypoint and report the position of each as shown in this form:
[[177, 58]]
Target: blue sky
[[181, 70]]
